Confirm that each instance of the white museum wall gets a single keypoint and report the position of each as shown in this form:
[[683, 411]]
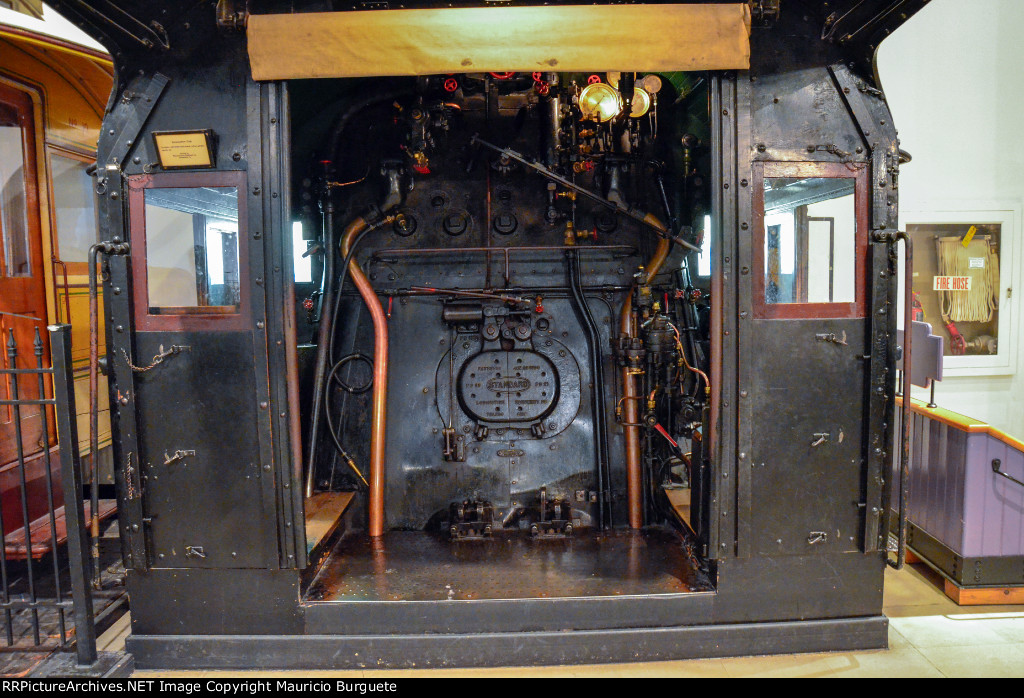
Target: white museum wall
[[954, 81]]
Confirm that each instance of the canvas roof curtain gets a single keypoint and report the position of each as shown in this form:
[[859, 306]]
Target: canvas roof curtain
[[643, 38]]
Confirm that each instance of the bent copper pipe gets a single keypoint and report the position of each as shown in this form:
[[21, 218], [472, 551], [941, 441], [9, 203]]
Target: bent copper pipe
[[380, 378], [630, 397]]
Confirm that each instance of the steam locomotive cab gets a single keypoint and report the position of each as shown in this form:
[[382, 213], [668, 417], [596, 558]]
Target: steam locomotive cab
[[564, 355], [510, 231], [534, 312]]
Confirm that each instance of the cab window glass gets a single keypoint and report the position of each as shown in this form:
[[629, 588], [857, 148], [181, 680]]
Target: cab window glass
[[810, 240], [192, 260]]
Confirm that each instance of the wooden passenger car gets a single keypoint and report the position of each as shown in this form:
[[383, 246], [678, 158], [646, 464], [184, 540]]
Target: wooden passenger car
[[53, 93]]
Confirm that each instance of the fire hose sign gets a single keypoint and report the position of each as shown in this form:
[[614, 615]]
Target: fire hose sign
[[951, 283]]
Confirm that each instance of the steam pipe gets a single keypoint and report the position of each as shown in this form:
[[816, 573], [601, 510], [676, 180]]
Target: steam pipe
[[593, 336], [380, 376], [630, 396], [322, 343]]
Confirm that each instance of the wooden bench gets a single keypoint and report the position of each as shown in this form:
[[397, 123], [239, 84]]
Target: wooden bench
[[41, 538]]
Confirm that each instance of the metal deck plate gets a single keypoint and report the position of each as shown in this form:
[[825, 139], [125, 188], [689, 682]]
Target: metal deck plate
[[418, 566]]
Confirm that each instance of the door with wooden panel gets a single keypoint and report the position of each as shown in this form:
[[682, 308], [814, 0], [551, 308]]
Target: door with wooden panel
[[22, 286]]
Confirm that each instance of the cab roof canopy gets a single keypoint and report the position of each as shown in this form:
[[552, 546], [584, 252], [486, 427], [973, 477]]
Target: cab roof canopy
[[321, 38]]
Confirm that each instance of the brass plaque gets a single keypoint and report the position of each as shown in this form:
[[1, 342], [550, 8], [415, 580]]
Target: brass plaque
[[185, 149]]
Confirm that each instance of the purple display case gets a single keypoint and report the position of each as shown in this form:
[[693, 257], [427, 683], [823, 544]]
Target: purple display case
[[966, 519]]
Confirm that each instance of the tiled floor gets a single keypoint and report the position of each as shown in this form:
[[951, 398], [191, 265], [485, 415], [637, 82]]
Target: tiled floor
[[929, 635]]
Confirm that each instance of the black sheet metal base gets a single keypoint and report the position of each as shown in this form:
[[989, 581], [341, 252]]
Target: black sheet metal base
[[966, 572], [504, 649]]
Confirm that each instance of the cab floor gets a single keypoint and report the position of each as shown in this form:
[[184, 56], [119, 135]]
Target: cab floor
[[419, 566]]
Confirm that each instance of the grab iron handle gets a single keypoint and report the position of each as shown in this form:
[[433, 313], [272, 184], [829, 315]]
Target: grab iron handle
[[996, 468], [908, 316]]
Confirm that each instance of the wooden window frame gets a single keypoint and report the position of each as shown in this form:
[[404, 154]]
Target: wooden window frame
[[185, 321], [806, 170]]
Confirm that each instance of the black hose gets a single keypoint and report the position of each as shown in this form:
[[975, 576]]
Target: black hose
[[326, 331], [327, 300], [360, 389], [325, 345], [593, 335], [335, 439], [341, 123]]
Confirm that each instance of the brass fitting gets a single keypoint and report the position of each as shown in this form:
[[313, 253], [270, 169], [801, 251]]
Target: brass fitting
[[570, 234]]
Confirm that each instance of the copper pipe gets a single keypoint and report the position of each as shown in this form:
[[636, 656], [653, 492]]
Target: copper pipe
[[380, 379], [631, 410]]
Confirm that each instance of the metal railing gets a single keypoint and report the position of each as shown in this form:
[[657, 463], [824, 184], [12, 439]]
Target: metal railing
[[34, 579]]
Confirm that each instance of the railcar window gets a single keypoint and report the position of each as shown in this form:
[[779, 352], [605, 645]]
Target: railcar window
[[13, 202], [75, 208], [192, 250], [810, 240]]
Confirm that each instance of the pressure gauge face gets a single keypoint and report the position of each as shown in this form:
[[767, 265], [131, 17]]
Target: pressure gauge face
[[600, 102], [640, 104], [651, 84]]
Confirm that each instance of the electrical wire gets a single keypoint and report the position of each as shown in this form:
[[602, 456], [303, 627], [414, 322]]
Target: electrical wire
[[682, 355]]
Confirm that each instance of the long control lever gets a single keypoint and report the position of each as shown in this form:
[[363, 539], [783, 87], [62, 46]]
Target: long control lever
[[633, 213]]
